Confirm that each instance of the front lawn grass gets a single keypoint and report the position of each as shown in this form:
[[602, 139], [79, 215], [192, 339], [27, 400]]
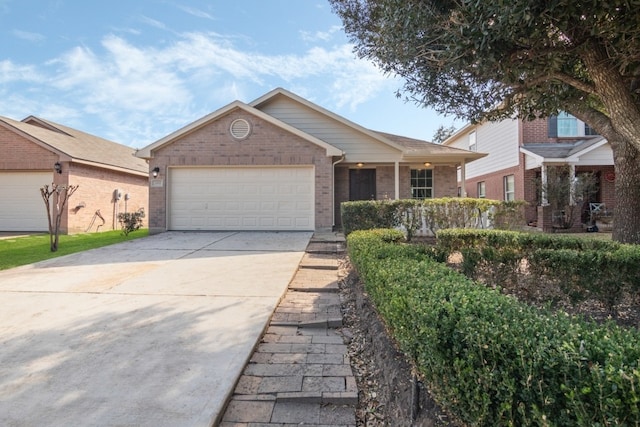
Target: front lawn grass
[[29, 249]]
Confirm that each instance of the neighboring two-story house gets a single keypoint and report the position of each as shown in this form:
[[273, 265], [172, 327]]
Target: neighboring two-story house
[[520, 155]]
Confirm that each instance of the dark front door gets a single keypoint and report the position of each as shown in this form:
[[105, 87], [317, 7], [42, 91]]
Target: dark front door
[[362, 184]]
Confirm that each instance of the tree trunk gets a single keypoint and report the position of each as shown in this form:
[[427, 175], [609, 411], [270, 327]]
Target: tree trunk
[[626, 226]]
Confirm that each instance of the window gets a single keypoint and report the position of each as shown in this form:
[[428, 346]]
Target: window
[[473, 146], [421, 183], [509, 188], [588, 130], [481, 190], [565, 125]]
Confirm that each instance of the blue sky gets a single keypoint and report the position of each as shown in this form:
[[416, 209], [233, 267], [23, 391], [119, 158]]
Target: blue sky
[[134, 71]]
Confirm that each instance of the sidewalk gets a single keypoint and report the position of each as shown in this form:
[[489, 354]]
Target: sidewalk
[[300, 373]]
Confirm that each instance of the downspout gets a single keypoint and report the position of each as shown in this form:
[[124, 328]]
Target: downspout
[[396, 186], [333, 190]]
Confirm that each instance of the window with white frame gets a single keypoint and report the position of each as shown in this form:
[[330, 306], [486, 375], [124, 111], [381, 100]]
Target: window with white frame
[[422, 183], [481, 190], [565, 125], [509, 188], [473, 143]]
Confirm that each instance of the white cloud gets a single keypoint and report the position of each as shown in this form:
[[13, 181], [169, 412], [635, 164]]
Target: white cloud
[[195, 12], [29, 36], [10, 72], [320, 35], [141, 93], [152, 22], [125, 78]]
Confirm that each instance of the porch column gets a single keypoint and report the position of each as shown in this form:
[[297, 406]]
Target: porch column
[[463, 179], [572, 188], [396, 171], [543, 178]]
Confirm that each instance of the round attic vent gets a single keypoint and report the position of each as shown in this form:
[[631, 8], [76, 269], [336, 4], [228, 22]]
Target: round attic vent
[[240, 129]]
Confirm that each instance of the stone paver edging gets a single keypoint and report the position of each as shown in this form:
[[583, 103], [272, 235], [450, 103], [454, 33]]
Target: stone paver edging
[[300, 372]]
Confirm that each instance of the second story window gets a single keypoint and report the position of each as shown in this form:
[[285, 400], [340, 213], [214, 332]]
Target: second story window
[[473, 145], [567, 125], [564, 125]]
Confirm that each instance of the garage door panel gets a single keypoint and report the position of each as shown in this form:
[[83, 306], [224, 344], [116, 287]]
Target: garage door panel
[[21, 205], [241, 198]]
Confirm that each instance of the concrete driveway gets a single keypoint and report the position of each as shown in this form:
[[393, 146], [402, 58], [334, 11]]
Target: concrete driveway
[[151, 332]]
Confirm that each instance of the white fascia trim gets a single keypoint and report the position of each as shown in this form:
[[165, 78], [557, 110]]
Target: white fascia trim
[[321, 110], [576, 157], [145, 152]]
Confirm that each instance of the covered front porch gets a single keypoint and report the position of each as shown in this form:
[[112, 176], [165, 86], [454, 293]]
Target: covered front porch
[[419, 177], [572, 185]]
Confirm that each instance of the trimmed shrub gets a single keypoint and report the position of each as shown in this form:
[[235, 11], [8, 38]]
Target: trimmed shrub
[[434, 214], [491, 360], [580, 268]]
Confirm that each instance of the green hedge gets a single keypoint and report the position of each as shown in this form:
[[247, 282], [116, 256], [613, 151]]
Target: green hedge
[[446, 212], [491, 360], [580, 268]]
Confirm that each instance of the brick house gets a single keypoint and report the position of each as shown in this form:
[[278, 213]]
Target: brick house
[[519, 157], [110, 177], [284, 163]]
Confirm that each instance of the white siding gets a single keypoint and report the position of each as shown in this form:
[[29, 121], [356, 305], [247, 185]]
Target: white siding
[[602, 155], [498, 139], [358, 146]]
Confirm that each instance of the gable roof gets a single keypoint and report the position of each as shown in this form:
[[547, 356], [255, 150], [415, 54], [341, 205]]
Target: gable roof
[[283, 92], [146, 152], [77, 146], [562, 152], [410, 148]]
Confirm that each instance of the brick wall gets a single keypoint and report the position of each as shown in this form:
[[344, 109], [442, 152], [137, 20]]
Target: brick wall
[[19, 153], [267, 145], [534, 131], [494, 184], [445, 181], [95, 197], [96, 184], [537, 131]]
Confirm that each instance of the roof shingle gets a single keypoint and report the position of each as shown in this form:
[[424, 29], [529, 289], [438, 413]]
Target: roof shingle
[[79, 145]]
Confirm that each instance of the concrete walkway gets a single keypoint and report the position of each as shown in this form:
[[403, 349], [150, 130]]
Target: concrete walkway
[[300, 374], [150, 332]]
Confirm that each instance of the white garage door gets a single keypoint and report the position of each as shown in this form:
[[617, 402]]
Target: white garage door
[[21, 205], [241, 198]]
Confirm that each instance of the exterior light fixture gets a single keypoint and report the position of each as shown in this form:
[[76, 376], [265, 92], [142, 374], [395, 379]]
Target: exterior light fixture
[[155, 171], [360, 164], [427, 164], [57, 167]]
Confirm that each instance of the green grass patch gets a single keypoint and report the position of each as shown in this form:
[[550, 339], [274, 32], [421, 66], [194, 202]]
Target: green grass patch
[[29, 249]]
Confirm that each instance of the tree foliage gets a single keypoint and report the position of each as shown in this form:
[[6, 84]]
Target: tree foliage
[[492, 59], [443, 133]]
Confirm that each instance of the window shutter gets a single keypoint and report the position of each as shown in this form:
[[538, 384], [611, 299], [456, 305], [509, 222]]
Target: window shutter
[[552, 126]]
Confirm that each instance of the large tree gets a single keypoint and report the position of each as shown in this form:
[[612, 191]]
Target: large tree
[[491, 59]]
